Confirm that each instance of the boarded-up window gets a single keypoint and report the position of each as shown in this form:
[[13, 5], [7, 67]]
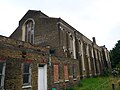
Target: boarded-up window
[[70, 71], [56, 73], [74, 71], [66, 72]]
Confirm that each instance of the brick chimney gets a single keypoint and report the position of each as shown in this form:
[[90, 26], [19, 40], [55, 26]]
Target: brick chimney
[[94, 40]]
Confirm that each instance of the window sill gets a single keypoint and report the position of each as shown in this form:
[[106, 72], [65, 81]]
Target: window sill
[[56, 82], [66, 80], [75, 79], [29, 86], [84, 70], [90, 74]]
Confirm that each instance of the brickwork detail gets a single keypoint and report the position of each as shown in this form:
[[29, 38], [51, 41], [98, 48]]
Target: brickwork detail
[[56, 73], [66, 72]]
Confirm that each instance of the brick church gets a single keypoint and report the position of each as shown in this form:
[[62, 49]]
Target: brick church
[[46, 53]]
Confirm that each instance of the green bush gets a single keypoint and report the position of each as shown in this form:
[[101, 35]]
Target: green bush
[[106, 72]]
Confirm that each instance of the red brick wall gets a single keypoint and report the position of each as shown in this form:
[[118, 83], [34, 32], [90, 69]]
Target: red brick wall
[[66, 72], [56, 73]]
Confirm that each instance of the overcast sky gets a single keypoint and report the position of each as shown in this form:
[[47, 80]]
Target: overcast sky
[[93, 18]]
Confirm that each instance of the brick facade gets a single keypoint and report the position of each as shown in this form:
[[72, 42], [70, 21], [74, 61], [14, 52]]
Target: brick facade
[[12, 52], [67, 53]]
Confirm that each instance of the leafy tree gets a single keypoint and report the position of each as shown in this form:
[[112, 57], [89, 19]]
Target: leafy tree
[[115, 55]]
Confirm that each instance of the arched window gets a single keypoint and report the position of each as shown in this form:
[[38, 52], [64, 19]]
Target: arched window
[[79, 46], [28, 31], [71, 43]]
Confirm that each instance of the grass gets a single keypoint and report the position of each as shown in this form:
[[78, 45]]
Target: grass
[[97, 83]]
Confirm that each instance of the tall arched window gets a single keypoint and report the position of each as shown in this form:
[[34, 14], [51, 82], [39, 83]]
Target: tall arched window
[[71, 43], [28, 31]]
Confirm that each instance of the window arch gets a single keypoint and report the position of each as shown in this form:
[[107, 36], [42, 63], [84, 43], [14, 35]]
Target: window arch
[[70, 42], [28, 31]]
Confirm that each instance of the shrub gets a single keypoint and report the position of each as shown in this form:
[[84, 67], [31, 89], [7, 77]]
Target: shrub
[[106, 72]]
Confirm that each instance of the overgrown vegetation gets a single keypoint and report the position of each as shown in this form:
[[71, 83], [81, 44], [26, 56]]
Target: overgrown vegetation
[[97, 83], [106, 72], [115, 55]]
